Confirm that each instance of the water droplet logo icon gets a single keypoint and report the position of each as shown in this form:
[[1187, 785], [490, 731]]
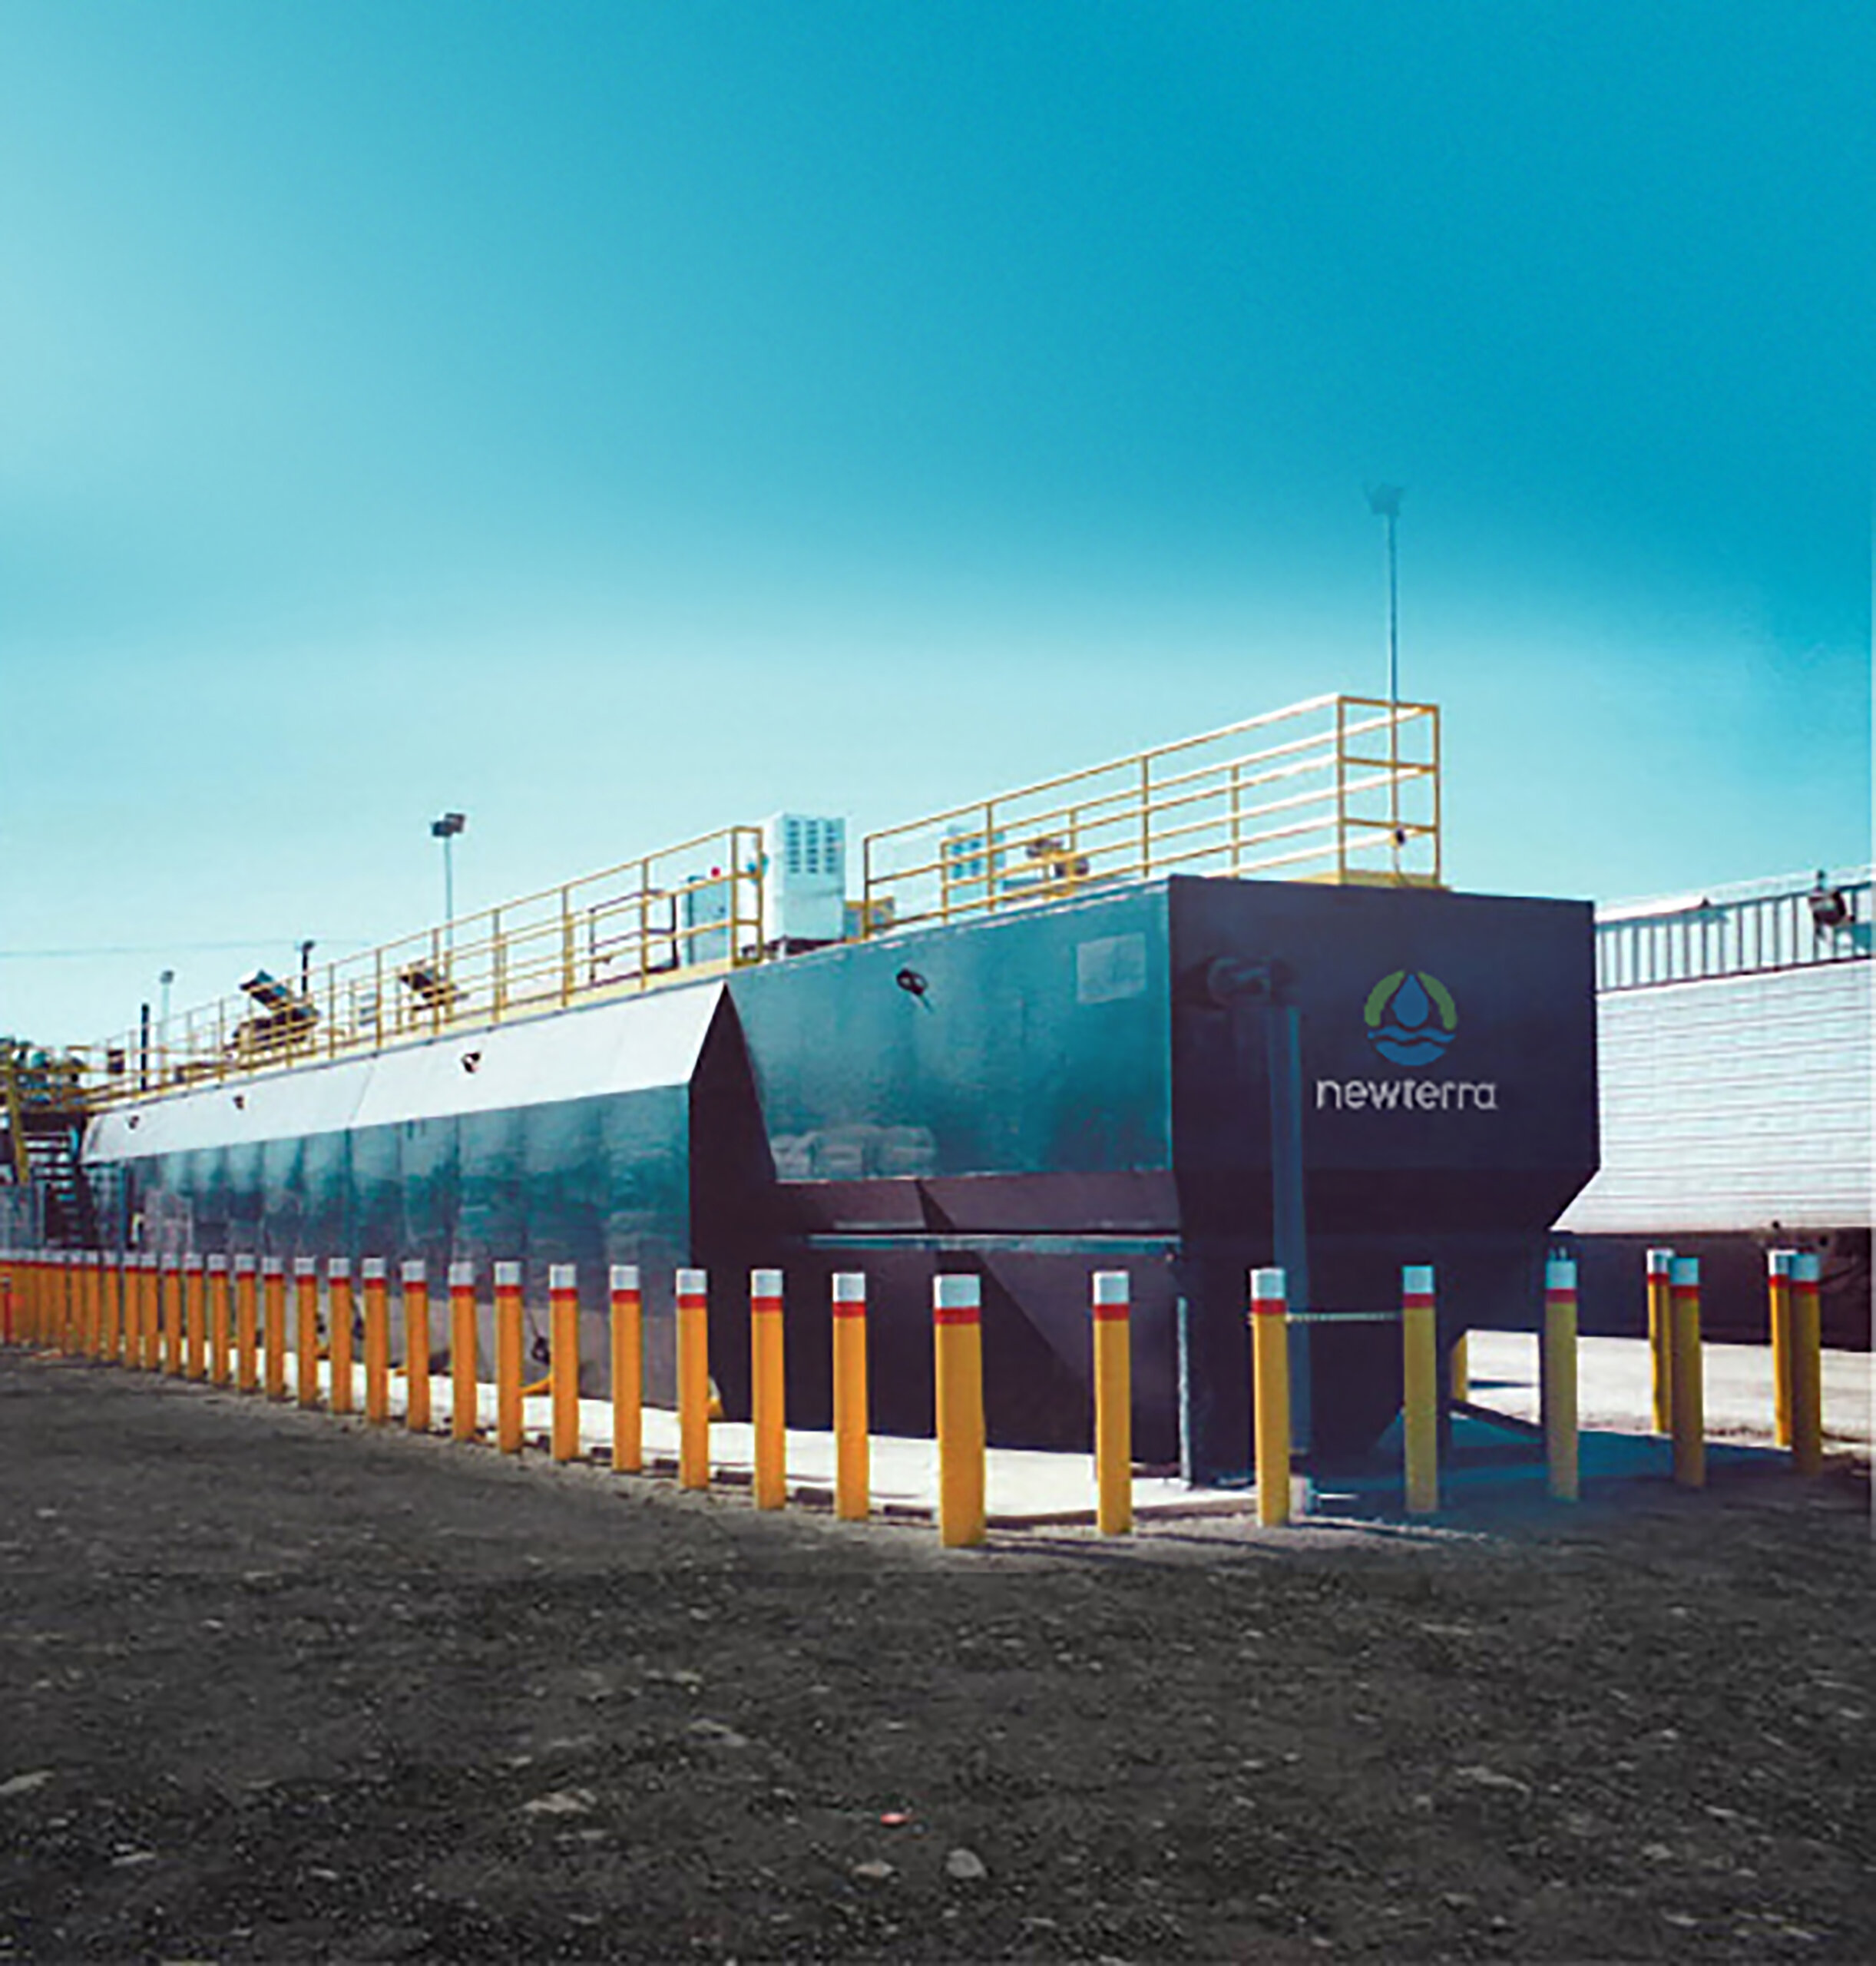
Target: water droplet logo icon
[[1411, 1017]]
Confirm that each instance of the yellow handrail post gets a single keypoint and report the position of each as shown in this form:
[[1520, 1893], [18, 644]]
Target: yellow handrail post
[[1660, 1340], [1270, 1361], [1690, 1397], [1778, 1317], [218, 1320], [1807, 1364], [628, 1369], [339, 1323], [273, 1319], [306, 1331], [853, 1478], [768, 1388], [1112, 1318], [195, 1314], [564, 1354], [1558, 1387], [958, 1340], [245, 1320], [693, 1379], [377, 1341], [416, 1347], [1420, 1403], [464, 1389], [509, 1357]]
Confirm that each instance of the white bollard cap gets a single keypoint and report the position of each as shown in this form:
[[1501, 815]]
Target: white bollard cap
[[1658, 1262], [272, 1267], [849, 1286], [1111, 1286], [218, 1266], [693, 1282], [1417, 1279], [507, 1276], [1684, 1274], [765, 1283], [373, 1269], [1807, 1267], [1559, 1273], [339, 1270], [563, 1276], [192, 1263], [1269, 1287], [243, 1265], [413, 1269], [462, 1276], [625, 1276], [956, 1293], [305, 1266], [1779, 1262]]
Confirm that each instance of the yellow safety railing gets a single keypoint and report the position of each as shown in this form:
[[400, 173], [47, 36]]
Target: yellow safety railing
[[1339, 788], [688, 911]]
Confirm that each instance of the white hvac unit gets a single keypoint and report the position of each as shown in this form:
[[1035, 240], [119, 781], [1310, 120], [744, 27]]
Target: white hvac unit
[[804, 888]]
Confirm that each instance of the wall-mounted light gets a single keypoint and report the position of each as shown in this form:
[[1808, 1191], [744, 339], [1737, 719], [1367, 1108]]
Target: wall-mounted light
[[1829, 907]]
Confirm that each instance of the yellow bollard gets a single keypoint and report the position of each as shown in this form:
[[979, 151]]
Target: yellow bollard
[[306, 1331], [957, 1341], [1807, 1365], [1660, 1340], [6, 1302], [377, 1342], [195, 1319], [113, 1308], [218, 1335], [173, 1359], [273, 1326], [1559, 1378], [563, 1358], [464, 1390], [1270, 1366], [1419, 1401], [416, 1348], [339, 1323], [1778, 1318], [768, 1388], [1689, 1395], [1459, 1371], [1114, 1403], [853, 1475], [246, 1324], [693, 1379], [628, 1371], [94, 1301], [508, 1357]]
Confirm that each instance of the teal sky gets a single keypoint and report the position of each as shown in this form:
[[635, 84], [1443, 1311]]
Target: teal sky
[[617, 420]]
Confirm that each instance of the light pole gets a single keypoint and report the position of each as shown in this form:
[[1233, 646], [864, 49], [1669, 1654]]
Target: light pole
[[446, 829], [1383, 501]]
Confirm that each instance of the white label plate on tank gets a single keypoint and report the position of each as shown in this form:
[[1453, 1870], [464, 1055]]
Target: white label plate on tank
[[1111, 969]]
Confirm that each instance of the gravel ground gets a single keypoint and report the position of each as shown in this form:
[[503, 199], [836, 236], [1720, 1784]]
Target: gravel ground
[[273, 1687]]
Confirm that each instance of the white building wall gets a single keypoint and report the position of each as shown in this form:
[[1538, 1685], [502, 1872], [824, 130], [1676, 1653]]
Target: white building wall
[[1734, 1102]]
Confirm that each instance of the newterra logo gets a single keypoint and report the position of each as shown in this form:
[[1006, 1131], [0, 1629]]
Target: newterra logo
[[1411, 1020]]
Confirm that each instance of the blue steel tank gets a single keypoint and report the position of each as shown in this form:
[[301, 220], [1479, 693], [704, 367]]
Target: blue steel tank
[[1184, 1078]]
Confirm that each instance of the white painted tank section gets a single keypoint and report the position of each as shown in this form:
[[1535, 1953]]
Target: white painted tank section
[[1732, 1103], [630, 1046]]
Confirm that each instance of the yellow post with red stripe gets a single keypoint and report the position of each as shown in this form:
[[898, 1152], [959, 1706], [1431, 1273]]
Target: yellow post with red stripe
[[853, 1473], [693, 1379], [958, 1340], [1270, 1370], [377, 1342], [1689, 1377], [195, 1318], [273, 1326], [306, 1330], [564, 1355], [626, 1306], [1660, 1340], [1558, 1379], [768, 1388], [508, 1357], [113, 1308], [91, 1303], [174, 1359], [464, 1388], [416, 1347], [1779, 1319], [1420, 1389], [339, 1328], [246, 1325], [218, 1332], [7, 1269], [1111, 1318], [1807, 1364]]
